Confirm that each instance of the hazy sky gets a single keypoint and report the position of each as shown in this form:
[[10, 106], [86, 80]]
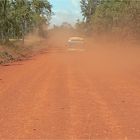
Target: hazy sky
[[65, 11]]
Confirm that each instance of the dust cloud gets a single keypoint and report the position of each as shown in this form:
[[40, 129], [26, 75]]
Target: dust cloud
[[104, 55]]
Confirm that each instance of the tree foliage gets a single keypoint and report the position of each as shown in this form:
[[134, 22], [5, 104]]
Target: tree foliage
[[88, 8], [18, 17], [121, 16]]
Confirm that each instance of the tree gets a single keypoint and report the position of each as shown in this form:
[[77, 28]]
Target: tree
[[119, 14], [88, 8], [19, 17], [110, 16], [4, 22]]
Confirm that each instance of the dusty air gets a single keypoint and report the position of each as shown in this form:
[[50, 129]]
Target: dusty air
[[70, 69]]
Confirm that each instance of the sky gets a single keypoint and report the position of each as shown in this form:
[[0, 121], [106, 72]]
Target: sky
[[65, 11]]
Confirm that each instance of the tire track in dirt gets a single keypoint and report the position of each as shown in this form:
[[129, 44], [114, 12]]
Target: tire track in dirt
[[40, 107], [64, 96], [97, 119], [17, 100]]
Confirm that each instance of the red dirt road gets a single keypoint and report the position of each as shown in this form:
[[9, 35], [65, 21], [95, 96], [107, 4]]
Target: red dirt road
[[77, 95]]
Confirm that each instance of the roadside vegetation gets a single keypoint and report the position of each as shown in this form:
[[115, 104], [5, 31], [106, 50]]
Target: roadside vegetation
[[18, 19], [120, 18]]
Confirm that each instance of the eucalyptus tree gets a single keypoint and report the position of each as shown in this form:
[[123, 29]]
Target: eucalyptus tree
[[88, 8], [5, 19], [18, 17], [42, 13], [120, 14], [112, 16]]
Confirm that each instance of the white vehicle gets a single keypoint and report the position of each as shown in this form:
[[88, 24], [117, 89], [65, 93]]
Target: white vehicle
[[76, 42]]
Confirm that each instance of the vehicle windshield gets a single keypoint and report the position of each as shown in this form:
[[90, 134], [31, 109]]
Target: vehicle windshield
[[76, 39]]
